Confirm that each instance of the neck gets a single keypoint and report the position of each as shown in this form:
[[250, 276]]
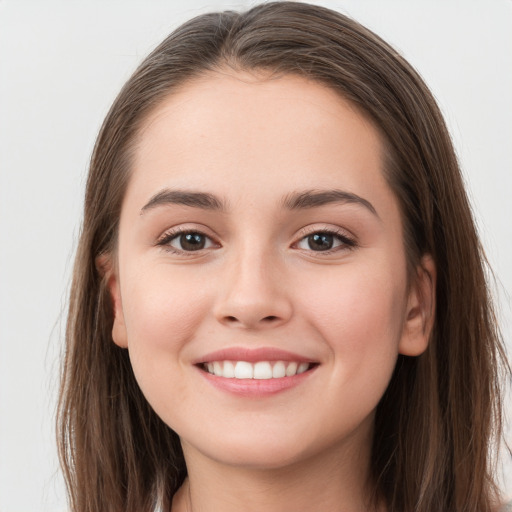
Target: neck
[[325, 482]]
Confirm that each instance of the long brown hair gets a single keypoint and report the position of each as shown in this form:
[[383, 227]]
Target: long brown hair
[[436, 421]]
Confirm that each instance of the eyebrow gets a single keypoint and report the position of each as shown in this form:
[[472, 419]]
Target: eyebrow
[[316, 198], [201, 200], [293, 201]]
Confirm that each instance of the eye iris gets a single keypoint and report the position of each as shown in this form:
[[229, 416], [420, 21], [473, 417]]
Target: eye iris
[[320, 241], [192, 241]]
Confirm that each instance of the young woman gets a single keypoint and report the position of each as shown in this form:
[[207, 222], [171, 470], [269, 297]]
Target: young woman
[[279, 297]]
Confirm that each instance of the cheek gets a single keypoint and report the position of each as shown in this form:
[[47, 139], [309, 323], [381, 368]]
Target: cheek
[[157, 308], [359, 315], [359, 311], [160, 322]]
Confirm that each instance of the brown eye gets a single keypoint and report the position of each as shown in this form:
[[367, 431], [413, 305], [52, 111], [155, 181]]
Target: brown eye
[[320, 241], [186, 241], [191, 241], [323, 241]]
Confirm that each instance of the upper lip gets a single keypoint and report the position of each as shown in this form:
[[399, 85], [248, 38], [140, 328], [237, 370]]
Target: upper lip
[[252, 355]]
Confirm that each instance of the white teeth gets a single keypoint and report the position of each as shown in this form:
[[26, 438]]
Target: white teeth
[[291, 369], [279, 370], [229, 370], [243, 370], [217, 368], [260, 370], [302, 368]]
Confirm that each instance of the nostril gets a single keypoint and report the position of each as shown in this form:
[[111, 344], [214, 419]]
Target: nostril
[[267, 319]]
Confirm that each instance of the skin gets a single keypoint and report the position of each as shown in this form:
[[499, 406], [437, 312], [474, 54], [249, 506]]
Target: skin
[[251, 141]]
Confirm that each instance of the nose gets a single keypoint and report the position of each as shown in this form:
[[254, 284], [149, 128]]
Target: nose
[[254, 294]]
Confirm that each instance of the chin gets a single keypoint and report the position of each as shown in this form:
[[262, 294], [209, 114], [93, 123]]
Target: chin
[[259, 457], [267, 448]]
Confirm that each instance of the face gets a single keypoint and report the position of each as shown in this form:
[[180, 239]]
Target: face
[[260, 284]]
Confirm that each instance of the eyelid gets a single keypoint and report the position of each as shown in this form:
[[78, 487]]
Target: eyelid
[[170, 234], [349, 241]]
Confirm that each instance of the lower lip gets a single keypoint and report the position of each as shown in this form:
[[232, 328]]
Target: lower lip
[[256, 387]]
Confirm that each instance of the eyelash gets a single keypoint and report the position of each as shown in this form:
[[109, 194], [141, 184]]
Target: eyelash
[[166, 239], [347, 243]]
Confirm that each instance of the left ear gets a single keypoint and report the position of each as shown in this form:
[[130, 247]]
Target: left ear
[[420, 312], [108, 272]]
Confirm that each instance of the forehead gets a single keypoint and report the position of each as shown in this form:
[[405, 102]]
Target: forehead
[[256, 132], [257, 102]]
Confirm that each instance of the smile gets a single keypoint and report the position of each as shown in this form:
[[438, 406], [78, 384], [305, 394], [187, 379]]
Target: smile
[[255, 372], [260, 370]]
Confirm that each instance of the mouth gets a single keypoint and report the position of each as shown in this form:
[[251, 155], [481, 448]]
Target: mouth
[[258, 370], [255, 372]]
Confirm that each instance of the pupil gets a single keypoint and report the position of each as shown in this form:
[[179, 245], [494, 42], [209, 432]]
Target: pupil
[[320, 241], [192, 241]]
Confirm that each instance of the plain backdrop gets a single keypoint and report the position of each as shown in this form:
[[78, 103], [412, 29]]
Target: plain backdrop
[[61, 65]]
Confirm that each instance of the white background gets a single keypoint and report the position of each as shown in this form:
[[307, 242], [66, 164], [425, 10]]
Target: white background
[[61, 65]]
